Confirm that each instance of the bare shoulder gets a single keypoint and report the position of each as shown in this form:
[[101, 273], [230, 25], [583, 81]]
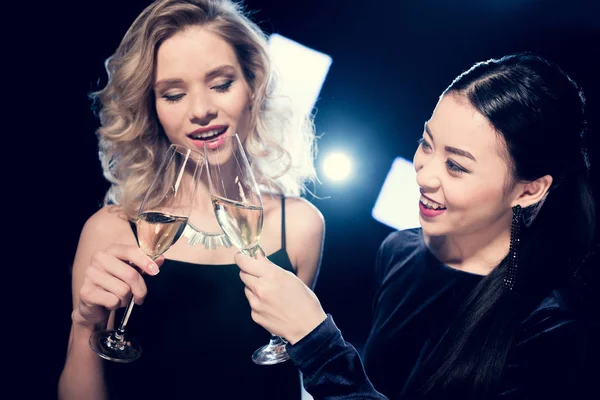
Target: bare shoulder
[[305, 231], [106, 217], [109, 225], [109, 222], [302, 216]]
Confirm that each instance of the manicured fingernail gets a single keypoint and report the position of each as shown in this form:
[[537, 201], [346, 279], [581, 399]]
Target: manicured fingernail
[[153, 268]]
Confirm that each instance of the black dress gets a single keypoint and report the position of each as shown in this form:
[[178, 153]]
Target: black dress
[[416, 301], [198, 337]]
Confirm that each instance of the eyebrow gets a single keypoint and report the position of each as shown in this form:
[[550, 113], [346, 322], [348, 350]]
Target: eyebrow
[[220, 71], [168, 82], [213, 73], [451, 149]]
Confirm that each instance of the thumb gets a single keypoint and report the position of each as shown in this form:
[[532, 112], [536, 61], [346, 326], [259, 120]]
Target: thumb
[[160, 260], [260, 254]]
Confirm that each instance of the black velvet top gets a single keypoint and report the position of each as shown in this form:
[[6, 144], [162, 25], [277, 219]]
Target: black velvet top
[[417, 299]]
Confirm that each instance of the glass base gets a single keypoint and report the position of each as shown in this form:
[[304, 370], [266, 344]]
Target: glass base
[[272, 353], [111, 346]]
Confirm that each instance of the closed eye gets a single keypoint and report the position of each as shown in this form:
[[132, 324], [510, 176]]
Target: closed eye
[[223, 87], [173, 98]]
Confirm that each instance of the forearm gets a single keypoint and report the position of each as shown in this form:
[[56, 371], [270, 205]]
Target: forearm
[[82, 376], [330, 366]]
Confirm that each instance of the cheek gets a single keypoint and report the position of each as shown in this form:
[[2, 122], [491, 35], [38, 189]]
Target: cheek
[[459, 195], [238, 108], [168, 116], [242, 111], [238, 101], [473, 198]]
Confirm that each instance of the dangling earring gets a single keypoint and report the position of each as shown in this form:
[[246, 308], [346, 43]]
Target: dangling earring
[[513, 254]]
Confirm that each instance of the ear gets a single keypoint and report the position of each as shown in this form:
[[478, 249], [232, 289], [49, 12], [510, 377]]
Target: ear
[[250, 100], [530, 193]]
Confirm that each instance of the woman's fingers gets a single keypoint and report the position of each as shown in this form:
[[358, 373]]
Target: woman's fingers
[[249, 280], [118, 287], [117, 271], [118, 277], [91, 296], [135, 256], [252, 266]]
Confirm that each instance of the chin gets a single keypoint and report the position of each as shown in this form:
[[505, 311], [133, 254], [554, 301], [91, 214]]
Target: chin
[[433, 228]]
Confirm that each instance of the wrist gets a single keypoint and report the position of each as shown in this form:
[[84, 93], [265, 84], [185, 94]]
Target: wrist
[[84, 326], [307, 328]]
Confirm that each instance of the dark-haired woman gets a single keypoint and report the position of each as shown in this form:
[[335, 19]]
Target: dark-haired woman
[[481, 301]]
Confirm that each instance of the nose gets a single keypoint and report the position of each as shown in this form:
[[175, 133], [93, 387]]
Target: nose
[[203, 109], [428, 173]]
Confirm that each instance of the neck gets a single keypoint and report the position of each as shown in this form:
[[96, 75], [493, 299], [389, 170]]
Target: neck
[[477, 252], [202, 214], [202, 201]]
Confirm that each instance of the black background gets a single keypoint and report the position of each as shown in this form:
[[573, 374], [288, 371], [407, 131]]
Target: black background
[[391, 60]]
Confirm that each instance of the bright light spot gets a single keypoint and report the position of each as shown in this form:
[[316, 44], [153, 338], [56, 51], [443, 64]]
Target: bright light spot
[[397, 205], [337, 166]]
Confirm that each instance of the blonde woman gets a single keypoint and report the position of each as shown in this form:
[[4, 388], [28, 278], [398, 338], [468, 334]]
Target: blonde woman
[[188, 71]]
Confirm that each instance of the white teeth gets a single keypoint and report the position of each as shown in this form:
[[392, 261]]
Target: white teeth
[[207, 134], [430, 204]]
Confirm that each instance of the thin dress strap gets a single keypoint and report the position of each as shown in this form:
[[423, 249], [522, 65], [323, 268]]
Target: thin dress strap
[[134, 229], [283, 222]]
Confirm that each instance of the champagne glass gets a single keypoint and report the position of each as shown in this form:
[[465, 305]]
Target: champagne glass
[[238, 207], [161, 219]]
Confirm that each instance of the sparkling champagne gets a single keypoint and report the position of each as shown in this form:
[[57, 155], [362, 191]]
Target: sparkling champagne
[[158, 231], [242, 223]]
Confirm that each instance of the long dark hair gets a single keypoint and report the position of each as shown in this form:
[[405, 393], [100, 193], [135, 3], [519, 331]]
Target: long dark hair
[[538, 111]]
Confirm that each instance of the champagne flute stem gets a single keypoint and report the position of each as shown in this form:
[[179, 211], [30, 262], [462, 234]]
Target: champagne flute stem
[[276, 340], [121, 330], [252, 252]]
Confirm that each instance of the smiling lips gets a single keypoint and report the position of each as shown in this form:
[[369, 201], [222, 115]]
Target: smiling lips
[[430, 208], [208, 133], [211, 135]]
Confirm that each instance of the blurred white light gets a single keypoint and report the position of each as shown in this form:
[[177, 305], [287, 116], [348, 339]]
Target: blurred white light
[[398, 202], [300, 70], [337, 166]]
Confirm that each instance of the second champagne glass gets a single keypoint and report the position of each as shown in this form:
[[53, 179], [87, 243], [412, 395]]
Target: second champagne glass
[[162, 217], [237, 204]]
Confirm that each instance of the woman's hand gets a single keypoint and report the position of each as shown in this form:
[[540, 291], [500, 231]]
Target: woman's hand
[[110, 280], [281, 303]]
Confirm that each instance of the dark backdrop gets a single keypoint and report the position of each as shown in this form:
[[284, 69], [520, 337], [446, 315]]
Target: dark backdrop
[[391, 60]]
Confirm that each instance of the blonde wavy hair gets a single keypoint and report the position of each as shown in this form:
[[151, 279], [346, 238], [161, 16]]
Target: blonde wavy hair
[[280, 144]]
